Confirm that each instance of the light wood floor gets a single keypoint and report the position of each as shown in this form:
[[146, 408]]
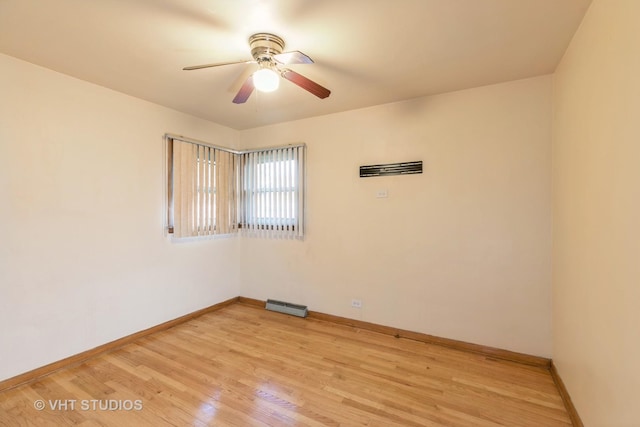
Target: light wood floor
[[244, 366]]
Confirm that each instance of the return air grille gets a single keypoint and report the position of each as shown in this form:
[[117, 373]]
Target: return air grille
[[406, 168], [287, 308]]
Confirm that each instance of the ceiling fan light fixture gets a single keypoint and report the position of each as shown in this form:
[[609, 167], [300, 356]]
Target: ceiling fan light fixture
[[267, 52], [266, 80]]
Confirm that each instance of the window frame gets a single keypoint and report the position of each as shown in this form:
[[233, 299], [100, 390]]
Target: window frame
[[279, 196], [277, 225]]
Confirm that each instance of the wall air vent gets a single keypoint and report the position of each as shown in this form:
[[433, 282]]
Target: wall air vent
[[406, 168], [287, 308]]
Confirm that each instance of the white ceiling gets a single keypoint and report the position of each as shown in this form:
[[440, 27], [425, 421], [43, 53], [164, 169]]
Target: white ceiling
[[367, 52]]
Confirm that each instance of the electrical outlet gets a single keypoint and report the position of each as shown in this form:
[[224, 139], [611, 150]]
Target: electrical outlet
[[382, 193], [356, 303]]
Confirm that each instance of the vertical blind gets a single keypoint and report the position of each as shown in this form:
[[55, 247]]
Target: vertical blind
[[203, 190], [218, 191], [272, 193]]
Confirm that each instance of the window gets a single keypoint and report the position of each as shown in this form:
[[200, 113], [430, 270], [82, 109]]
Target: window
[[212, 190], [273, 192], [201, 190]]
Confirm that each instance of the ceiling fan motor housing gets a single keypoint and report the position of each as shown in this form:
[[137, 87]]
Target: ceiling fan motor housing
[[264, 46]]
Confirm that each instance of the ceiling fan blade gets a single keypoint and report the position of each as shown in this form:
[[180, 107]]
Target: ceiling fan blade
[[293, 57], [306, 84], [245, 91], [218, 64]]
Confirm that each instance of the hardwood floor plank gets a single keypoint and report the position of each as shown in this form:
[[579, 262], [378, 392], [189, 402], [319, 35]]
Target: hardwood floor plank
[[244, 366]]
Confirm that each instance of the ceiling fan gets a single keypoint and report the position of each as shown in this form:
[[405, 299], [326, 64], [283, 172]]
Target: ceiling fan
[[267, 52]]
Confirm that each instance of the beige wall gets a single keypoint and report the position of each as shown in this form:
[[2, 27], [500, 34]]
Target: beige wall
[[596, 215], [83, 258], [462, 251]]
